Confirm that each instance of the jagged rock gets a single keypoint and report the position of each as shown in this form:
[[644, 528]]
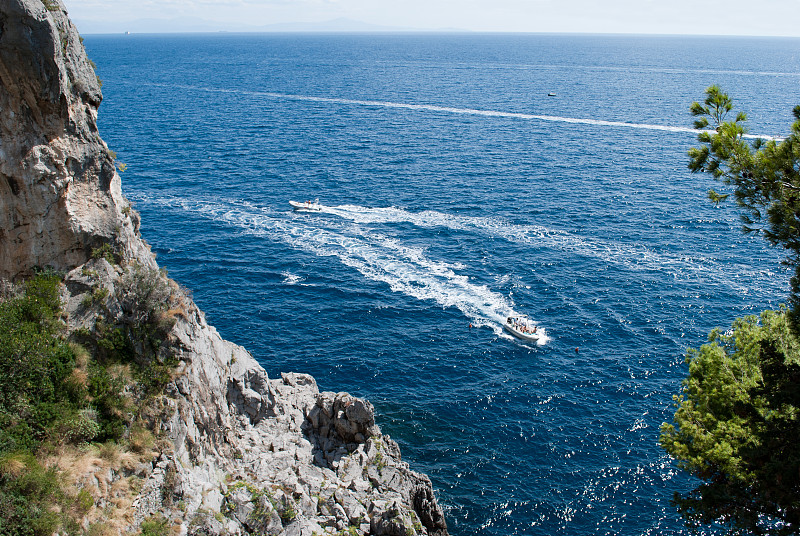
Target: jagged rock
[[60, 194], [150, 499], [303, 527], [425, 506], [263, 519], [389, 522], [344, 418], [245, 454], [247, 394], [353, 509]]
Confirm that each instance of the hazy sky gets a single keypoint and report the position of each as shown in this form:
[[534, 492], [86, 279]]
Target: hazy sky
[[713, 17]]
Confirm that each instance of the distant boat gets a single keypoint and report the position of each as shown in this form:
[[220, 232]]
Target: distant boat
[[523, 328], [308, 206], [551, 94]]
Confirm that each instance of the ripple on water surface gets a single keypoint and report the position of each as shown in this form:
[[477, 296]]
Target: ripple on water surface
[[457, 193]]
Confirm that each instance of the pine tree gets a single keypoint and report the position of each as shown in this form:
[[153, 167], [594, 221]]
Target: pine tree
[[737, 420]]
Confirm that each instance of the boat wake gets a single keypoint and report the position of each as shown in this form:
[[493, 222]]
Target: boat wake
[[462, 111], [356, 239], [630, 256], [374, 255]]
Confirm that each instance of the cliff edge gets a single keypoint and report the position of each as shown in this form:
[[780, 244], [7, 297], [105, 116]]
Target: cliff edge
[[238, 452]]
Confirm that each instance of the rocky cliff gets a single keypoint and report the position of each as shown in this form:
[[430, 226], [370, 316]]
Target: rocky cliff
[[239, 453]]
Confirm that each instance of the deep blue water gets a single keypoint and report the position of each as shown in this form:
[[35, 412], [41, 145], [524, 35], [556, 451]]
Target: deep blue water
[[444, 215]]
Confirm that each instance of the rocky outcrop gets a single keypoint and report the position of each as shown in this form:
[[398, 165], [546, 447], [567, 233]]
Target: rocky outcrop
[[245, 454], [60, 195], [254, 455]]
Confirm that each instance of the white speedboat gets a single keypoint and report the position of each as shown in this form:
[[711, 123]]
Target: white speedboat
[[523, 328], [307, 206]]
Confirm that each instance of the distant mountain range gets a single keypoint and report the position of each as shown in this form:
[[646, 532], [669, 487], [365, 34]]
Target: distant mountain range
[[193, 24]]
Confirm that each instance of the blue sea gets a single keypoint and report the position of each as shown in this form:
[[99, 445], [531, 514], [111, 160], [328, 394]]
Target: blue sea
[[458, 192]]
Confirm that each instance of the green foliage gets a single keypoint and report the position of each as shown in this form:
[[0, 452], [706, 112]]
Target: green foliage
[[79, 427], [33, 501], [108, 398], [112, 344], [138, 338], [144, 295], [53, 392], [737, 427], [737, 420], [105, 252], [764, 175], [264, 503], [41, 399], [155, 525], [380, 463], [38, 398], [286, 510], [84, 502], [98, 295]]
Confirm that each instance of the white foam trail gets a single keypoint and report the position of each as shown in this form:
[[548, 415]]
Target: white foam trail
[[630, 256], [466, 111], [291, 279], [377, 257]]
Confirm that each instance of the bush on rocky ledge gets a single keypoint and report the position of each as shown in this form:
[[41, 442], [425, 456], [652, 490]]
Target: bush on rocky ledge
[[57, 396]]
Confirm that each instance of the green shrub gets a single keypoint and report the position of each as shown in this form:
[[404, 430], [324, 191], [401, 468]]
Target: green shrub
[[144, 295], [35, 366], [53, 392], [155, 525], [98, 295], [84, 502], [50, 5], [108, 398], [28, 493], [105, 252], [286, 511], [80, 427]]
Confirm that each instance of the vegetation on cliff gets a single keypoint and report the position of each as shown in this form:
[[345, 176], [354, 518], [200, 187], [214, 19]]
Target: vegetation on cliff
[[737, 420], [42, 400], [56, 396], [40, 395]]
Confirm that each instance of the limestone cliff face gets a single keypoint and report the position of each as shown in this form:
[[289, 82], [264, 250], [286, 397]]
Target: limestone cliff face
[[254, 455], [60, 195], [246, 454]]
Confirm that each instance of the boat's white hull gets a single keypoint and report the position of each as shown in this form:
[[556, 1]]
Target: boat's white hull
[[533, 337], [305, 207]]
